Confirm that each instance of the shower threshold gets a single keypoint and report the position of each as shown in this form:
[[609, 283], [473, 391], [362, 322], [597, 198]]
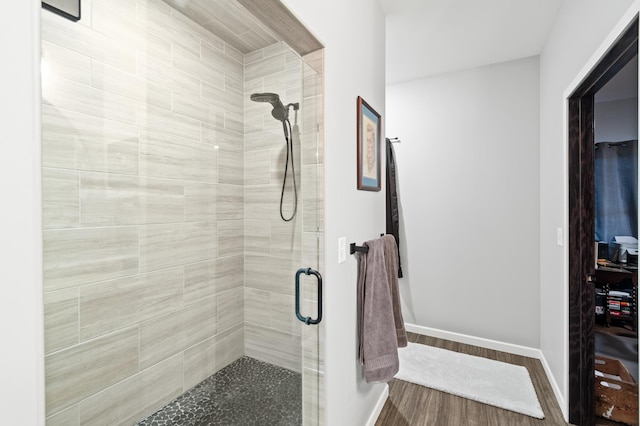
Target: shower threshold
[[246, 392]]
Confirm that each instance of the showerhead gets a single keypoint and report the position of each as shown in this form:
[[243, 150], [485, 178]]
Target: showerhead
[[266, 97], [279, 111]]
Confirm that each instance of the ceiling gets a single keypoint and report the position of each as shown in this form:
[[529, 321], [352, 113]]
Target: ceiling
[[424, 37], [429, 37]]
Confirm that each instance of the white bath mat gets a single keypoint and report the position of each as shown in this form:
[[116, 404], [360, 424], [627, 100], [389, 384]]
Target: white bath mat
[[484, 380]]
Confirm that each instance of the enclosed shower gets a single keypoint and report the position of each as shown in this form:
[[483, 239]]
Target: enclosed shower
[[181, 195]]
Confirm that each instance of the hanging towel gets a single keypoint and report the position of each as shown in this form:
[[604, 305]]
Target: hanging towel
[[393, 214], [377, 336], [391, 265]]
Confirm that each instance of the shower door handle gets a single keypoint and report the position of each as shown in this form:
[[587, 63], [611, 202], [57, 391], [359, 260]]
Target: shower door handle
[[309, 271]]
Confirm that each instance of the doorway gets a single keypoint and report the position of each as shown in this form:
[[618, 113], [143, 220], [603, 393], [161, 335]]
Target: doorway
[[582, 254]]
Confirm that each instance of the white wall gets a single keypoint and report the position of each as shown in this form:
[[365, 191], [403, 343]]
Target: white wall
[[21, 362], [468, 190], [581, 28], [616, 120], [354, 37]]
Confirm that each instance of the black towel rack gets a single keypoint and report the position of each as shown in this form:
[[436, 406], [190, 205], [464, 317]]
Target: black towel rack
[[353, 248]]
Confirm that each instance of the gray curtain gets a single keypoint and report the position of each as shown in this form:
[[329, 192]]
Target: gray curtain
[[616, 193]]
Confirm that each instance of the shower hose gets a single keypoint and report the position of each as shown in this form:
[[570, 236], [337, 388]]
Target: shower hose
[[288, 136]]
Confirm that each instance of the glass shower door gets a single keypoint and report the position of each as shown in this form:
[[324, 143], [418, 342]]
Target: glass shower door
[[283, 219], [312, 250]]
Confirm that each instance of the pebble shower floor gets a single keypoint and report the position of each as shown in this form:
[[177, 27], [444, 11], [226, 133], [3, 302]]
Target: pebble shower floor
[[246, 392]]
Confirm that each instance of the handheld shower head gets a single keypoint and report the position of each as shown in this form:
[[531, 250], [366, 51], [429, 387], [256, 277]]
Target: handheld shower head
[[279, 112]]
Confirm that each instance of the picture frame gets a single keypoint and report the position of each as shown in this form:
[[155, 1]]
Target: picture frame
[[369, 124], [70, 9]]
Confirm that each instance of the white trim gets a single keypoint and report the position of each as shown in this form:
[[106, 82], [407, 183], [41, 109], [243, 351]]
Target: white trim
[[40, 408], [564, 404], [378, 407], [22, 391], [554, 386], [476, 341], [626, 20]]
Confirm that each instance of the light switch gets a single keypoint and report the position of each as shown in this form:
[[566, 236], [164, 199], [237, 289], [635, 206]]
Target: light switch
[[342, 249]]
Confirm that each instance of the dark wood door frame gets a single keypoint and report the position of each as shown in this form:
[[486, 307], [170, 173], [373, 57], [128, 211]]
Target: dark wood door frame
[[581, 226]]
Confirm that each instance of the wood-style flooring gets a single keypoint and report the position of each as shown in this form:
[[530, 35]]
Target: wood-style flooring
[[412, 405]]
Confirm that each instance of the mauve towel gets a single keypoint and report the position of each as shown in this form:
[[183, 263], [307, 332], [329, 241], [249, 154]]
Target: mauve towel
[[378, 342], [392, 264]]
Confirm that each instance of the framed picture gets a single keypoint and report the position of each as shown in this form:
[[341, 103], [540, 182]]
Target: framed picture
[[369, 131], [70, 9]]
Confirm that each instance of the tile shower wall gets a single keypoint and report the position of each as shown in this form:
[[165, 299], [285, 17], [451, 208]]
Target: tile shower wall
[[143, 209], [273, 250]]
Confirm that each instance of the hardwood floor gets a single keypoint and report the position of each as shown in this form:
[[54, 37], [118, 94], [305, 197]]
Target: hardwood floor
[[412, 405]]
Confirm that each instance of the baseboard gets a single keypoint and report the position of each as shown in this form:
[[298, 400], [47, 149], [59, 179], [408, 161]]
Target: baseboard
[[476, 341], [498, 346], [378, 407], [554, 386]]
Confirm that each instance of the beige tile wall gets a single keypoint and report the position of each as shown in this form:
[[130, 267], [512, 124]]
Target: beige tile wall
[[143, 209], [272, 247]]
